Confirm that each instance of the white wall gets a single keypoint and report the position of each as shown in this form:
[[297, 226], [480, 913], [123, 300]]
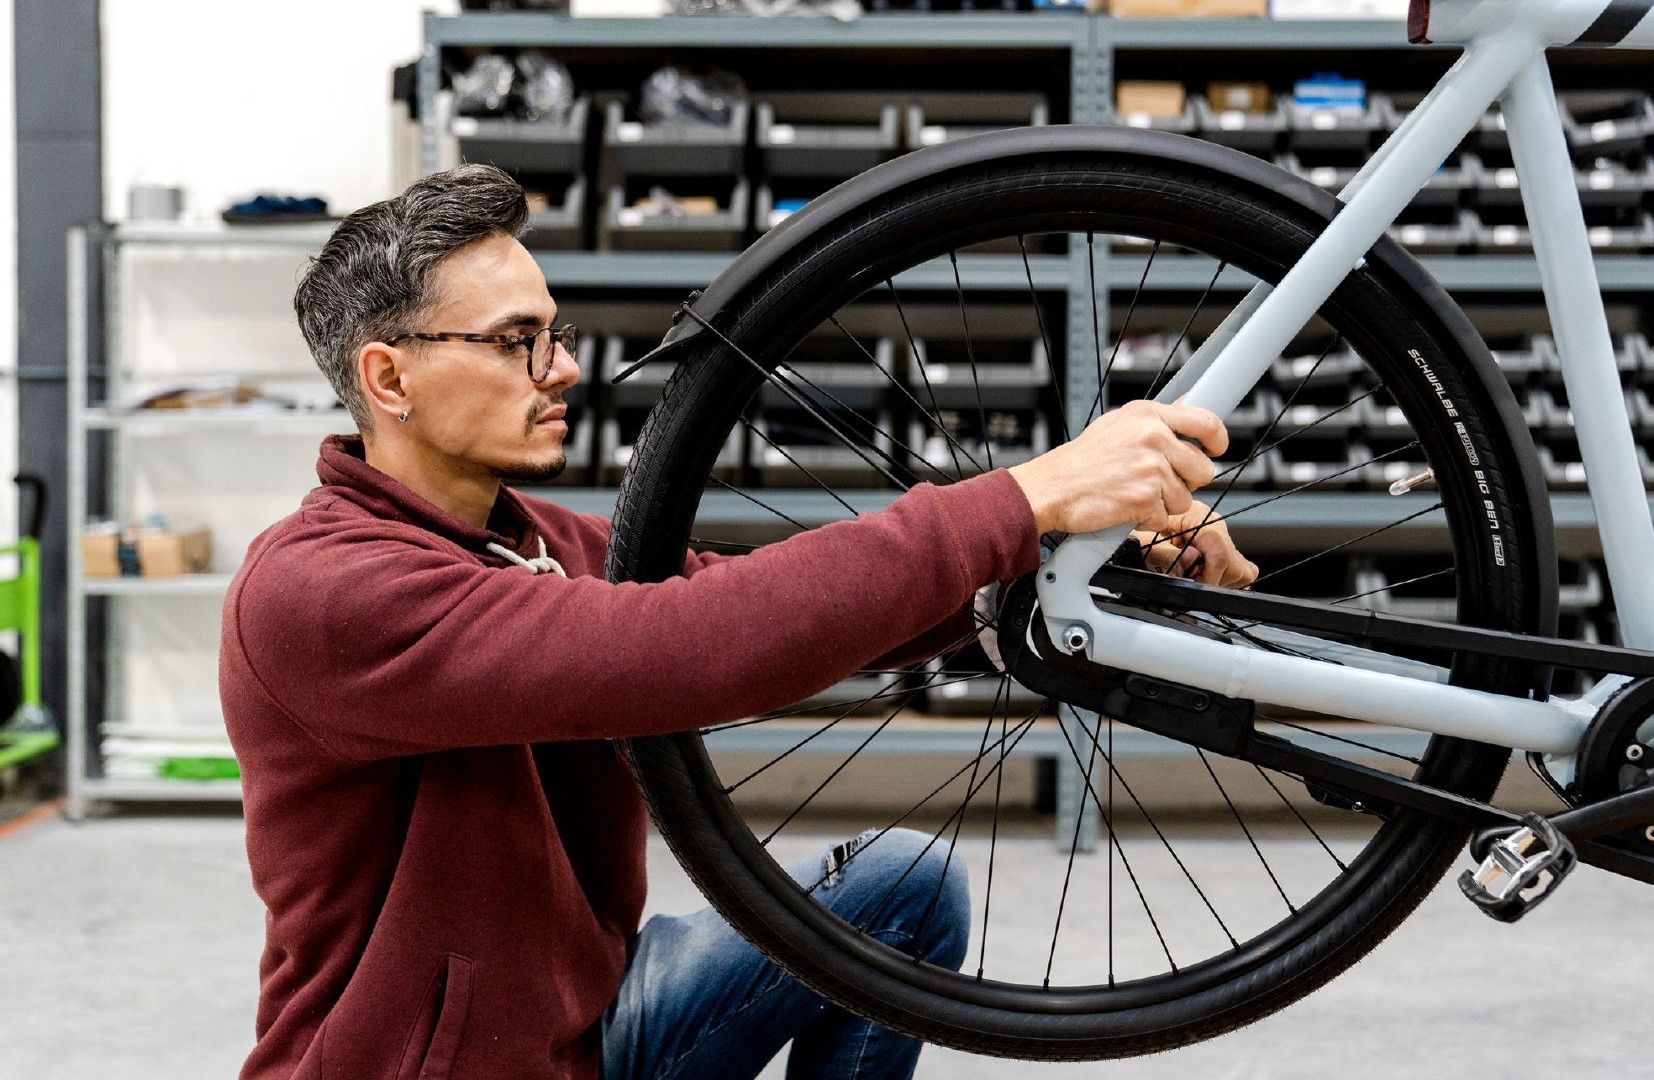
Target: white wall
[[225, 100]]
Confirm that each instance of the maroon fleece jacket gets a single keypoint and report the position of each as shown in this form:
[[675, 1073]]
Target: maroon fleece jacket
[[450, 854]]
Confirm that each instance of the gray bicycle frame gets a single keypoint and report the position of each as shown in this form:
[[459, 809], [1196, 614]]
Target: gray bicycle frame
[[1504, 60]]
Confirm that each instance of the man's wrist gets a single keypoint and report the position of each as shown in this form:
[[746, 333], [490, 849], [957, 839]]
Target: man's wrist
[[1041, 499]]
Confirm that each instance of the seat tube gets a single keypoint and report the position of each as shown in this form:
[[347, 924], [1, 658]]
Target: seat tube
[[1573, 299]]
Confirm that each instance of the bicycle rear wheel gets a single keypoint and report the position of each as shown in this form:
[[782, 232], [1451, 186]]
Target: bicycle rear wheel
[[1385, 370]]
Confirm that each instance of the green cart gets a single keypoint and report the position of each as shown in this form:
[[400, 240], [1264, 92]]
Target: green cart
[[27, 730]]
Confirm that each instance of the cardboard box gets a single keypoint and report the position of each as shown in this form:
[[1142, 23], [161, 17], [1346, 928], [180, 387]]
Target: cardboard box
[[1251, 97], [1150, 98], [100, 555], [1187, 9], [171, 553]]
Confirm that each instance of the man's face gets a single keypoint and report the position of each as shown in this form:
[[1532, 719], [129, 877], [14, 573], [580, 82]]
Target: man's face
[[474, 403]]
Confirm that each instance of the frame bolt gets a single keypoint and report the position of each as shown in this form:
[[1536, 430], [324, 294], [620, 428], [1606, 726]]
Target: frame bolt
[[1634, 752], [1648, 834], [1076, 637]]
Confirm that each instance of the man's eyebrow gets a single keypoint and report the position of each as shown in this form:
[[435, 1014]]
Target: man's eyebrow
[[516, 320]]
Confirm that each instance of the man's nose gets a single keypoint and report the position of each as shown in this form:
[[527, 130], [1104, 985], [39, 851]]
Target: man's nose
[[564, 370]]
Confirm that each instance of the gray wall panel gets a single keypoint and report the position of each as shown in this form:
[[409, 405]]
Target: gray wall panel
[[59, 182]]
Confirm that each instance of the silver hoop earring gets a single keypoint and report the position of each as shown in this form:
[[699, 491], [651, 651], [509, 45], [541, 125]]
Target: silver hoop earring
[[404, 416]]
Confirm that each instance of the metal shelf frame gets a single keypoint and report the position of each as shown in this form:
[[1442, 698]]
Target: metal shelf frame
[[1088, 44]]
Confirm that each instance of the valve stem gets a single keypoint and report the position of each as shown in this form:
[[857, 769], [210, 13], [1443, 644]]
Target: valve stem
[[1402, 487]]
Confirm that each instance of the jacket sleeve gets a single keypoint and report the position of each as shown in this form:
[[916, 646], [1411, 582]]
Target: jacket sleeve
[[379, 641]]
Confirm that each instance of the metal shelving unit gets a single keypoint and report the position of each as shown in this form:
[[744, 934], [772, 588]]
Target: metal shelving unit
[[1090, 47], [94, 307]]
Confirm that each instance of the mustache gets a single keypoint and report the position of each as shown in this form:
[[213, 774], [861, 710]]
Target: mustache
[[556, 399]]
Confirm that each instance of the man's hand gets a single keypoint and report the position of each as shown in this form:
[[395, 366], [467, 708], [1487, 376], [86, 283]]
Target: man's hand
[[1212, 558], [1133, 466]]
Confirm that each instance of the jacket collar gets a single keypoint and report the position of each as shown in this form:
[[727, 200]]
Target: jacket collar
[[342, 464]]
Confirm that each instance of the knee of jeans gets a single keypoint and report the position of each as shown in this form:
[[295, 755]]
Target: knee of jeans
[[936, 879]]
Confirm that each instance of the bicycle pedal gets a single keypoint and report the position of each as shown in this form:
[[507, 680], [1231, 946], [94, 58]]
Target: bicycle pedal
[[1520, 870]]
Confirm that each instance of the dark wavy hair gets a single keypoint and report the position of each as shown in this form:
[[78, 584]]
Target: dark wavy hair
[[373, 276]]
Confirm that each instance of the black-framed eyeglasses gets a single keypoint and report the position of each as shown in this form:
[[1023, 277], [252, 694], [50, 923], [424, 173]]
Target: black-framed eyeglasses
[[540, 346]]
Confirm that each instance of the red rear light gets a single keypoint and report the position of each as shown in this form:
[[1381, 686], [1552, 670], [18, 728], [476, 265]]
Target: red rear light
[[1418, 22]]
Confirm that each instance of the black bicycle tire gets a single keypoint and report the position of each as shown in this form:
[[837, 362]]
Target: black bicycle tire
[[683, 432]]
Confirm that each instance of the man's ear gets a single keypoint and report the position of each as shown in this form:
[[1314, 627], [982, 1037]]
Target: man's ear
[[382, 373]]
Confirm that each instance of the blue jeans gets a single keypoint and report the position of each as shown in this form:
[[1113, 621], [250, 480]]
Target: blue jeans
[[698, 1002]]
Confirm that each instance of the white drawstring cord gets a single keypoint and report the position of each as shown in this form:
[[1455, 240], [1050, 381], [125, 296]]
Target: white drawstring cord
[[543, 564]]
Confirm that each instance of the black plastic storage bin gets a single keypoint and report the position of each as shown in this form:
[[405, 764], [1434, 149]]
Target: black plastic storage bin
[[934, 119], [1315, 128], [619, 433], [788, 440], [1254, 132], [560, 226], [828, 360], [626, 228], [1436, 230], [826, 134], [642, 386], [1181, 124], [1607, 123], [632, 146], [1007, 371], [1032, 438], [526, 146]]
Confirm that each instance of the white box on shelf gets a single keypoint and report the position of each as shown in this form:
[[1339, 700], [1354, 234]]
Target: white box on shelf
[[1337, 9]]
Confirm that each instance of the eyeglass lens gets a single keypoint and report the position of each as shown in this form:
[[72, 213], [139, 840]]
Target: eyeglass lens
[[545, 343]]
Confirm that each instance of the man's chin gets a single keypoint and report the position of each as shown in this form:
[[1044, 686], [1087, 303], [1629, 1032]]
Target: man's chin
[[532, 472]]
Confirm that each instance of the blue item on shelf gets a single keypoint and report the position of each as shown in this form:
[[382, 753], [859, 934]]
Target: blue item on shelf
[[266, 209], [1326, 90]]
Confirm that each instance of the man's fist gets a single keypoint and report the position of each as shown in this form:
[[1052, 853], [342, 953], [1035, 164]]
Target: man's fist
[[1132, 466]]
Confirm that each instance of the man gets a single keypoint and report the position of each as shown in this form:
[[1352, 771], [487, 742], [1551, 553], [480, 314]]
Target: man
[[421, 669]]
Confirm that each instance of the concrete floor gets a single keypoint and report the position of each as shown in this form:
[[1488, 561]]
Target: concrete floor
[[129, 946]]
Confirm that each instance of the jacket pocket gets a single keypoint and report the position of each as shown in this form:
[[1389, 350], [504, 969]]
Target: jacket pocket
[[434, 1042]]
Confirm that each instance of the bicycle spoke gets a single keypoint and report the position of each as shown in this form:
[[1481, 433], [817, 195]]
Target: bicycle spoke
[[1096, 325], [934, 421], [1113, 848], [1293, 491], [1204, 760], [1108, 821], [1340, 739], [970, 354], [845, 712], [964, 808], [1234, 471], [1125, 325], [993, 840], [818, 481], [852, 414], [707, 542], [919, 362], [1044, 337], [815, 710], [1148, 818], [1312, 831], [1184, 335], [797, 399], [756, 501], [818, 732], [1339, 547], [1068, 876], [1398, 585], [1022, 729]]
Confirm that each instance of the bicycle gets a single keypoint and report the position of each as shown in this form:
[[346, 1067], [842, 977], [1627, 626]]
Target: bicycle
[[1116, 645]]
